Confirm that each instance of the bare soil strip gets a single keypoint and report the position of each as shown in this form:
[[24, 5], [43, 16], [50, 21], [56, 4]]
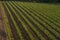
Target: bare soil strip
[[3, 35]]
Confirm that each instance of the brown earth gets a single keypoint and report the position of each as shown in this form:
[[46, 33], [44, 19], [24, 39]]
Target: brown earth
[[3, 35]]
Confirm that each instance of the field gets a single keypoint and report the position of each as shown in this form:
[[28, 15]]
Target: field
[[31, 21]]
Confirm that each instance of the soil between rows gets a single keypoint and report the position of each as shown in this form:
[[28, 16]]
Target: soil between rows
[[3, 33]]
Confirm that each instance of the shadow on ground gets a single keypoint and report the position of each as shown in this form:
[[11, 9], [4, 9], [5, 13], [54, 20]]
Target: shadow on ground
[[3, 34], [34, 1]]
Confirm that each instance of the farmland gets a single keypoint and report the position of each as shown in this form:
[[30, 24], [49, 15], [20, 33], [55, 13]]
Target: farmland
[[31, 21]]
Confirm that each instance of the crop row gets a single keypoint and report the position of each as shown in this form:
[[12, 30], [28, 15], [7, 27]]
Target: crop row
[[29, 23]]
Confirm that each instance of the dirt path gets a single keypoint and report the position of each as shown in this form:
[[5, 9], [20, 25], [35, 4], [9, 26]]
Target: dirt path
[[3, 35]]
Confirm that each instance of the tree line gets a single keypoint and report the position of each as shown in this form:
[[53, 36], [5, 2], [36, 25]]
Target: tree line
[[48, 1]]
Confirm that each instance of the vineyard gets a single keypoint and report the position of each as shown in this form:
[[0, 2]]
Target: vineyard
[[31, 21]]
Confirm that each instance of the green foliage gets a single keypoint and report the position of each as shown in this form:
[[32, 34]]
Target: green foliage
[[35, 17]]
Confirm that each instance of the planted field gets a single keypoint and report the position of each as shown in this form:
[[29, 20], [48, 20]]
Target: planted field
[[31, 21]]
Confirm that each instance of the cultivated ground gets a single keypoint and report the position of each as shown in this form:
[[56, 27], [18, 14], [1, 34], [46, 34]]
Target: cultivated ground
[[29, 21], [3, 35]]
